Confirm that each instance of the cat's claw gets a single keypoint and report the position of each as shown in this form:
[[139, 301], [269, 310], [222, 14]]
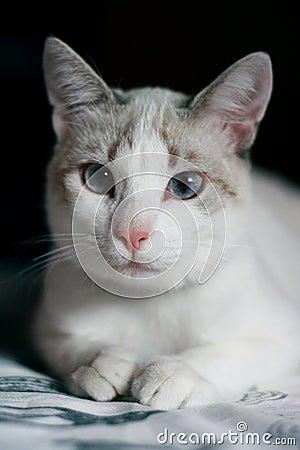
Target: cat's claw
[[107, 376], [170, 384]]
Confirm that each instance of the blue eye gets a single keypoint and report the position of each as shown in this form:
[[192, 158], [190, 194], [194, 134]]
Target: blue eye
[[98, 179], [186, 184]]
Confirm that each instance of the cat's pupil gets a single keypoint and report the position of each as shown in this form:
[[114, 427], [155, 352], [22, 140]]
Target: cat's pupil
[[182, 187]]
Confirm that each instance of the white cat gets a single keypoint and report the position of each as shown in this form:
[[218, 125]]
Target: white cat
[[159, 285]]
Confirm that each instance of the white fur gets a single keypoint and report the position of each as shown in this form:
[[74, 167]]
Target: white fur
[[235, 331], [192, 344]]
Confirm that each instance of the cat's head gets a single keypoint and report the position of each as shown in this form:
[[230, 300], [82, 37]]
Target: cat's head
[[144, 179]]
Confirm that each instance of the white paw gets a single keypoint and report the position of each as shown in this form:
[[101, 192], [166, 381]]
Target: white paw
[[169, 384], [107, 376]]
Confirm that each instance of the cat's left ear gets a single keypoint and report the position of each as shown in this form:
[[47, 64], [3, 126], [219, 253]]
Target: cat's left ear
[[72, 85], [237, 100]]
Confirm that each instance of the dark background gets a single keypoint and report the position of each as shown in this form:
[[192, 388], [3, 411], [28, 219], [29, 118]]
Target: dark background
[[177, 47]]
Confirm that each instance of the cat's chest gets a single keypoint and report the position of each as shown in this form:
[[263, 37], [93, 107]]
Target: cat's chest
[[149, 326], [165, 324]]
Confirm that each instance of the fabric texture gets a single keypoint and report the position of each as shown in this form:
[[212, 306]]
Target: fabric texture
[[37, 413]]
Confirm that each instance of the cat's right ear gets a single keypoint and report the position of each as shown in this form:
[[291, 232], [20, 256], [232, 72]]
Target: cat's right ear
[[72, 85], [236, 101]]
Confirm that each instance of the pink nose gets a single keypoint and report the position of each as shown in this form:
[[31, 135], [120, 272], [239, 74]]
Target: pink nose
[[134, 238]]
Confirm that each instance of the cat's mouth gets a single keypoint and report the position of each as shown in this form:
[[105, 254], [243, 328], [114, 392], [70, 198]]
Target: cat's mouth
[[134, 268]]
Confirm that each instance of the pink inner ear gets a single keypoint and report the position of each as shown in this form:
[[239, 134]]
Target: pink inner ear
[[58, 125], [242, 114], [243, 133], [237, 100], [243, 120]]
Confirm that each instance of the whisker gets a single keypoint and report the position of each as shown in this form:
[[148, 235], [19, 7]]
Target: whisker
[[51, 252], [45, 260], [52, 237]]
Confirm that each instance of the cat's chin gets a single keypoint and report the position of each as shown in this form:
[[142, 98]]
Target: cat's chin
[[132, 279], [134, 269]]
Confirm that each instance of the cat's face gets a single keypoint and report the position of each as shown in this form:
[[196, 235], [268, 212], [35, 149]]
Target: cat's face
[[143, 179]]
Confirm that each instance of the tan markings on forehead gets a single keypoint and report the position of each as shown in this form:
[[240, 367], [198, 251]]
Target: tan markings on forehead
[[213, 171], [173, 150], [181, 142], [193, 156], [170, 139], [124, 137]]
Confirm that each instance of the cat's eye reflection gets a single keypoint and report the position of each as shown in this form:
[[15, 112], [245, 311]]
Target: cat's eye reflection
[[98, 178], [186, 185]]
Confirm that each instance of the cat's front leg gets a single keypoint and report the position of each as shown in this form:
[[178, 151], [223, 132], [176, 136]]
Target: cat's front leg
[[206, 374], [170, 383], [108, 375]]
